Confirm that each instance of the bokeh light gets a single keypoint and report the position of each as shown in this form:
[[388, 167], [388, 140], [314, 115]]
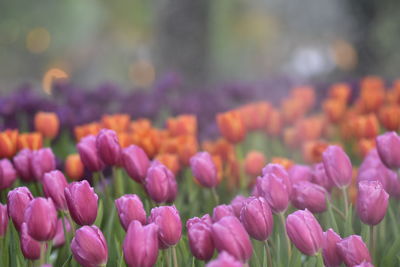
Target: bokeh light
[[38, 40]]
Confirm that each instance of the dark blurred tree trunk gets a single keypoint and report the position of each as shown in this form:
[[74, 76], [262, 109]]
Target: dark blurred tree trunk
[[182, 38]]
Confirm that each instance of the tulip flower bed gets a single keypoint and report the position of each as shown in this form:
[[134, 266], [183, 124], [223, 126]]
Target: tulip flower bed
[[286, 185]]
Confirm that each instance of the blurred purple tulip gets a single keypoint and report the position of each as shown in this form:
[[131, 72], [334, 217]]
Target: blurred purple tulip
[[7, 174], [388, 145], [43, 160], [17, 201], [353, 250], [204, 169], [329, 250], [135, 162], [256, 216], [130, 208], [54, 183], [337, 166], [224, 259], [108, 147], [30, 247], [372, 202], [275, 192], [309, 196], [88, 152], [221, 211], [200, 237], [41, 219]]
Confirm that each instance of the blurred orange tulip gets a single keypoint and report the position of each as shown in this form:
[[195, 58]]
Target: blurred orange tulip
[[171, 161], [124, 139], [33, 141], [292, 109], [366, 126], [149, 141], [290, 137], [74, 167], [365, 145], [285, 162], [140, 125], [47, 123], [340, 92], [389, 117], [187, 147], [254, 163], [86, 129], [182, 125], [232, 173], [334, 109], [8, 143], [306, 95], [220, 147], [274, 123], [231, 126], [312, 151], [372, 93], [255, 115], [309, 129], [116, 122], [218, 163]]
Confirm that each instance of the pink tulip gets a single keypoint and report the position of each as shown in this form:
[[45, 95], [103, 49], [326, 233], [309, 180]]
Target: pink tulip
[[388, 145], [221, 211], [23, 165], [135, 162], [364, 264], [309, 196], [41, 219], [204, 169], [18, 199], [372, 202], [280, 173], [88, 152], [43, 160], [108, 147], [353, 250], [159, 183], [224, 260], [330, 252], [30, 247], [237, 204], [300, 173], [7, 174], [54, 183], [3, 220], [321, 178], [256, 216], [337, 166], [130, 208], [275, 192], [59, 238], [200, 237]]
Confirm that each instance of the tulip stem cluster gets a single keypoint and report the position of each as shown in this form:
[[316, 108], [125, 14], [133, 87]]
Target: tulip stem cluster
[[288, 244]]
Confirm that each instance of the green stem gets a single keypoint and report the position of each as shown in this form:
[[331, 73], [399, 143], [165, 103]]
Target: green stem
[[372, 241], [117, 182], [338, 211], [168, 257], [242, 176], [346, 203], [269, 257], [320, 260], [175, 258], [215, 195], [42, 253], [289, 247], [71, 222], [66, 236]]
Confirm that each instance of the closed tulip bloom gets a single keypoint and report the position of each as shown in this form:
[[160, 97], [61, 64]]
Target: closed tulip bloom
[[108, 147], [8, 143], [82, 202], [130, 208], [43, 160], [7, 174], [22, 162], [89, 247], [200, 237], [274, 191], [254, 163], [204, 169], [231, 126], [221, 211], [319, 177], [337, 166], [305, 232], [353, 250], [54, 183], [372, 202], [135, 162], [279, 171], [141, 245], [229, 235], [169, 225], [388, 145], [256, 216], [17, 201], [41, 218], [300, 173], [158, 182], [47, 123], [364, 264], [88, 152], [237, 204], [59, 238], [33, 141], [74, 168], [330, 252], [30, 247], [224, 260], [173, 189], [307, 195], [3, 220]]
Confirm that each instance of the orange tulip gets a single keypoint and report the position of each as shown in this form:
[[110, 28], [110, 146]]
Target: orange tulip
[[292, 109], [353, 188], [334, 109], [220, 147], [187, 147], [305, 95], [140, 125], [182, 125], [232, 173], [149, 141], [254, 162], [312, 151], [389, 117], [8, 143], [231, 126], [364, 146], [218, 163], [290, 137], [116, 122], [366, 126], [47, 123], [171, 161], [86, 129], [74, 167], [340, 92], [124, 139], [285, 162], [372, 93], [255, 115], [309, 129], [274, 123], [33, 141]]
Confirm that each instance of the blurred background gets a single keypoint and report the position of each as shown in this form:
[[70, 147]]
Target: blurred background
[[135, 42]]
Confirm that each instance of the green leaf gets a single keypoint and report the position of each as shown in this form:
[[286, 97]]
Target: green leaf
[[389, 259], [100, 213]]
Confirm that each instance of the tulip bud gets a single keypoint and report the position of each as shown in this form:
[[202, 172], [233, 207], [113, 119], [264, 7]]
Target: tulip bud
[[82, 202], [254, 163], [135, 162], [320, 178], [230, 235], [33, 141], [256, 216], [231, 126], [89, 247], [353, 250], [30, 247], [204, 169], [274, 191], [3, 220], [8, 143], [221, 211], [372, 202], [200, 237], [330, 252], [18, 199], [108, 147], [22, 162], [300, 173], [7, 174], [304, 231], [141, 245], [43, 160], [309, 196], [159, 183], [237, 204], [364, 264], [54, 183], [59, 238], [74, 167], [279, 171], [169, 225], [388, 145], [337, 166], [130, 208], [41, 219], [224, 260], [47, 123], [88, 152]]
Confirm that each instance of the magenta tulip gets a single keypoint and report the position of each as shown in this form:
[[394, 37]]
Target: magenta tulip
[[88, 152], [320, 178], [224, 260], [372, 202], [237, 204], [159, 183], [30, 247], [23, 165], [304, 231], [204, 169], [256, 216], [364, 264], [135, 162], [43, 160], [17, 201], [388, 145], [59, 238], [275, 192], [300, 173], [200, 237], [41, 219], [169, 225], [353, 250], [280, 173], [89, 247], [229, 235], [309, 196], [82, 202], [108, 147], [221, 211], [330, 252], [337, 166], [141, 245], [3, 220], [7, 174], [54, 184], [130, 208]]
